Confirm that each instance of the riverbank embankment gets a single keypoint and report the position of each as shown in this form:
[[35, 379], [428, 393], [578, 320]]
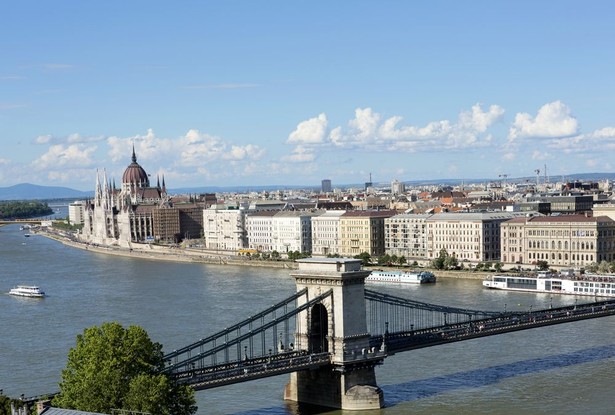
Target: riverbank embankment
[[165, 253]]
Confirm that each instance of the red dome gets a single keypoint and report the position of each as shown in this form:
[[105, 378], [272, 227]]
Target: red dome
[[135, 174]]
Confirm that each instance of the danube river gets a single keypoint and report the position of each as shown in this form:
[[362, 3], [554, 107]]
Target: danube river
[[565, 369]]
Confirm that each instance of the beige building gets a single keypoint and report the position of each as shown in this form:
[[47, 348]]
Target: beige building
[[406, 235], [363, 231], [561, 241], [472, 237]]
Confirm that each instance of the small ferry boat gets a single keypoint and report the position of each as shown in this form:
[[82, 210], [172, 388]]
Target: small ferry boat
[[27, 291], [564, 283], [401, 277]]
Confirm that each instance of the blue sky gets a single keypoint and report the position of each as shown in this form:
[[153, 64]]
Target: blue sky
[[226, 93]]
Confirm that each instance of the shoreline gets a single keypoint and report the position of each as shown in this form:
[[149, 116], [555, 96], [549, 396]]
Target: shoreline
[[159, 253]]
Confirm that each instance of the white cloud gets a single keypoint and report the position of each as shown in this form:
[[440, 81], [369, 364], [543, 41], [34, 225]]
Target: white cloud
[[552, 120], [311, 131], [539, 155], [43, 139], [591, 163], [300, 154], [58, 155], [509, 156], [249, 151], [368, 130], [479, 120]]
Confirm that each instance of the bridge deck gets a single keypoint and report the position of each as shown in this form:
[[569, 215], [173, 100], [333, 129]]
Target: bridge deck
[[507, 322], [250, 369]]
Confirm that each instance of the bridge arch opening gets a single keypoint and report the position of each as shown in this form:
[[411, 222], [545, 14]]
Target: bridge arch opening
[[319, 319]]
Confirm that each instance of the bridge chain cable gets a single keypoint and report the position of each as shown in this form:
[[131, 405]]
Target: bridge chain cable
[[225, 347], [249, 321], [394, 300], [389, 313]]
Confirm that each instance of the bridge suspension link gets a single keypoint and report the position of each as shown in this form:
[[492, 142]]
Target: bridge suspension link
[[189, 363], [248, 322]]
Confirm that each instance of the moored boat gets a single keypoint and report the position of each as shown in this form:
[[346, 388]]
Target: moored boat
[[401, 277], [27, 291], [564, 283]]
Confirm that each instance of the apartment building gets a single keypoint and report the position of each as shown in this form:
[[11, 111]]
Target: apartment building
[[561, 241], [259, 226], [292, 231], [224, 228], [326, 233], [363, 231], [406, 235], [76, 212], [473, 237]]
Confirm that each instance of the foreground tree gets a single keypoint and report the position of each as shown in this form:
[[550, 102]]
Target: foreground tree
[[116, 368]]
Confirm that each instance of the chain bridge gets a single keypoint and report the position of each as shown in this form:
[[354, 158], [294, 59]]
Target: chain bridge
[[332, 332]]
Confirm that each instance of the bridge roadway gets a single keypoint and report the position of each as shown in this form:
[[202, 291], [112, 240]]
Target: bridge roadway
[[287, 362]]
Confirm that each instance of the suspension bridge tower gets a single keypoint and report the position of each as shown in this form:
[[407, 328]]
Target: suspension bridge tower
[[337, 326]]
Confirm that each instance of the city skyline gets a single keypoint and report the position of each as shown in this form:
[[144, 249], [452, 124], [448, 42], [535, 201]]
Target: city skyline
[[278, 93]]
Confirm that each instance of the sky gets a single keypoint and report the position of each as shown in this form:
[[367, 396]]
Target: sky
[[254, 93]]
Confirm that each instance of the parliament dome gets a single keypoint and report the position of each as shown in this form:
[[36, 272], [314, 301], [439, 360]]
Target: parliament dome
[[135, 175]]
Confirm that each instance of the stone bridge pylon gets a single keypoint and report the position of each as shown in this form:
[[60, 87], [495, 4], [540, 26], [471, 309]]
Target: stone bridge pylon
[[337, 326]]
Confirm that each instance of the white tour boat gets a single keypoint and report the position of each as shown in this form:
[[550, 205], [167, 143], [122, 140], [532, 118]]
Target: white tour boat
[[401, 277], [588, 284], [27, 291]]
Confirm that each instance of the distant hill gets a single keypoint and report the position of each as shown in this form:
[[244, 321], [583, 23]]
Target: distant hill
[[27, 191]]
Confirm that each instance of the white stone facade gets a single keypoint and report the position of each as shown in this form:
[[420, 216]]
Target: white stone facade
[[326, 233], [292, 231], [259, 226], [76, 212], [224, 229]]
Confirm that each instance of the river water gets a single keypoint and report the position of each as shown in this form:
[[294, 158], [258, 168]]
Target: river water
[[564, 369]]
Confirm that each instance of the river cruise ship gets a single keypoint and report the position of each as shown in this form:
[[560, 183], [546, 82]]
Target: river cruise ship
[[401, 277], [594, 285], [27, 291]]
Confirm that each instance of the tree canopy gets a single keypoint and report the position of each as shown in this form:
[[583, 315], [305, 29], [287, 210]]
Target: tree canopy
[[116, 368], [21, 209]]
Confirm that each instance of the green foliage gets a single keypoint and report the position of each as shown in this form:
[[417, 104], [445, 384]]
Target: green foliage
[[401, 260], [294, 255], [498, 266], [110, 365], [384, 259], [444, 261], [450, 262], [5, 404], [275, 255], [542, 265], [65, 225], [365, 258], [23, 209]]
